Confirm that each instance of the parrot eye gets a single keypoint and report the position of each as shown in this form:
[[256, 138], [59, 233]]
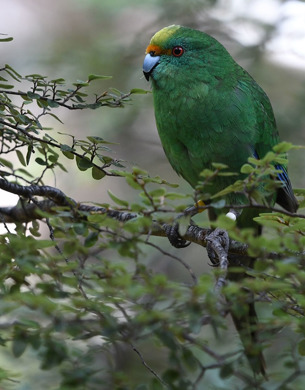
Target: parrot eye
[[177, 51]]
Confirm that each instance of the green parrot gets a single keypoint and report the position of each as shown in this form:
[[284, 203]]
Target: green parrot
[[209, 109]]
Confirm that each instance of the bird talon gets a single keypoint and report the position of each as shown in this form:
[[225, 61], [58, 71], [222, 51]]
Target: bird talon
[[217, 235], [212, 255], [172, 232]]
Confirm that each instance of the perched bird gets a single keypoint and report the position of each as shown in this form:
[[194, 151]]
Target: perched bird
[[209, 109]]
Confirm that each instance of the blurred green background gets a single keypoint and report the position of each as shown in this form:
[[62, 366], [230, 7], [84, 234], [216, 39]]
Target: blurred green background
[[74, 38]]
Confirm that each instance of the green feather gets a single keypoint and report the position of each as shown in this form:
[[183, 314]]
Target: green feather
[[209, 109]]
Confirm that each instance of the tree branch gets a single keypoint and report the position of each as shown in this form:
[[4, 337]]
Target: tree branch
[[111, 101], [25, 212], [54, 144]]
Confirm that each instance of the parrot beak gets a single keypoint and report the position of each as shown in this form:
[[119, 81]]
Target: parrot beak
[[150, 62]]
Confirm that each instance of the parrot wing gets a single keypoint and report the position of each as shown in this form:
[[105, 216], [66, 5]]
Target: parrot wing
[[267, 137]]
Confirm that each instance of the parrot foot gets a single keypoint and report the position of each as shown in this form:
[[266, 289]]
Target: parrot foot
[[172, 232], [218, 243]]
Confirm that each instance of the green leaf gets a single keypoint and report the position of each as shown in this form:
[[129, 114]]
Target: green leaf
[[98, 77], [83, 163], [155, 385], [138, 171], [117, 172], [19, 345], [6, 86], [59, 81], [6, 163], [40, 161], [70, 247], [52, 103], [66, 148], [299, 191], [79, 99], [219, 165], [137, 224], [26, 99], [21, 158], [283, 147], [247, 169], [97, 173], [301, 347], [206, 173], [42, 244], [226, 371], [237, 186], [261, 265], [302, 204], [53, 159], [98, 140], [176, 195], [81, 83], [55, 117], [42, 103], [12, 70], [183, 225], [224, 222], [189, 359], [139, 91], [105, 159], [219, 204], [170, 375], [167, 338], [69, 155], [91, 239], [268, 220], [32, 95], [8, 39], [35, 229], [29, 154], [131, 181], [116, 91], [35, 76], [157, 193], [53, 353], [24, 172], [120, 202], [80, 228]]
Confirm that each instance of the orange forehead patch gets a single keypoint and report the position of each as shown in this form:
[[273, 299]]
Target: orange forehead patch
[[157, 50]]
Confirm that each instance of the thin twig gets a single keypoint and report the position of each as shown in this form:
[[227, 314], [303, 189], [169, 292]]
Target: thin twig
[[53, 144], [148, 367], [185, 265]]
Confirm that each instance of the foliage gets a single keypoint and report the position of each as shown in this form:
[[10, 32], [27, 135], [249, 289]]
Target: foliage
[[79, 298]]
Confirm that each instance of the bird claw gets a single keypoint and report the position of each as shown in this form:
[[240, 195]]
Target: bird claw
[[212, 255], [218, 236], [172, 232]]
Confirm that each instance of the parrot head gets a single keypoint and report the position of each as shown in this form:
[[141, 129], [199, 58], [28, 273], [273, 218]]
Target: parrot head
[[178, 50]]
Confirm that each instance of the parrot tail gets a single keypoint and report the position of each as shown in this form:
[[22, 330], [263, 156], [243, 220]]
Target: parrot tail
[[246, 324], [245, 318]]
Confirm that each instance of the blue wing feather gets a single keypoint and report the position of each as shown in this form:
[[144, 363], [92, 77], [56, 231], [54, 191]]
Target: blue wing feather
[[285, 196]]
